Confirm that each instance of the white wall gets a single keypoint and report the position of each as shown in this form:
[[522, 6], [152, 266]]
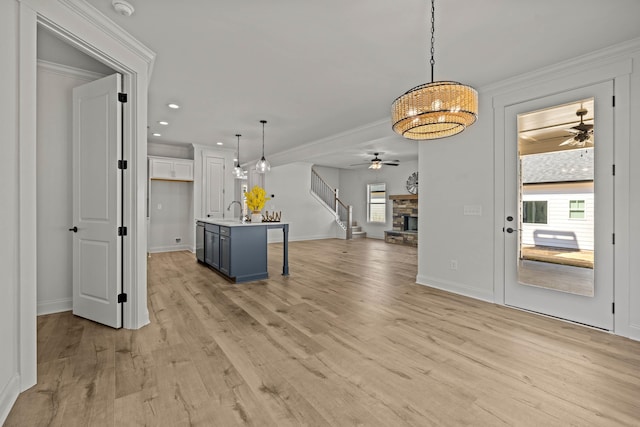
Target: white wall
[[171, 216], [170, 205], [178, 151], [9, 221], [329, 175], [353, 191], [309, 220], [467, 169]]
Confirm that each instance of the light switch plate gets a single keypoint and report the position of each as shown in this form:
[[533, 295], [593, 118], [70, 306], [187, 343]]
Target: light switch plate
[[473, 210]]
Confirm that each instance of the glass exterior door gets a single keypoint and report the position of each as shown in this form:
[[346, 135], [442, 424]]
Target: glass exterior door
[[559, 205]]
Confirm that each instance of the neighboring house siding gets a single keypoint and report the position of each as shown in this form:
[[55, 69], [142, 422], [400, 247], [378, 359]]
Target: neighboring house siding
[[560, 230]]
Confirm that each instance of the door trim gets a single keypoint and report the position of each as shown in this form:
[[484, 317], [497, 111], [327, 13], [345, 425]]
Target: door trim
[[89, 31], [550, 82]]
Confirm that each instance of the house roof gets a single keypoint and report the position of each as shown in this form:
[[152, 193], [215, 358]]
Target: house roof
[[558, 166]]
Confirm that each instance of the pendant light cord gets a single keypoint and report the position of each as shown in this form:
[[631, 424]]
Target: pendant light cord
[[433, 39], [263, 122], [238, 161]]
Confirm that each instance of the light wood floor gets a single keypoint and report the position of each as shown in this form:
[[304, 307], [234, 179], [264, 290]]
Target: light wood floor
[[347, 339]]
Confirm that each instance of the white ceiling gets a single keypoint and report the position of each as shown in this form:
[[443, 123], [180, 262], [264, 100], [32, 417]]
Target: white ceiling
[[318, 69]]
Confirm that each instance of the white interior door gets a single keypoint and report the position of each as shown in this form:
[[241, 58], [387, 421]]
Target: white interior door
[[213, 187], [97, 201], [526, 281]]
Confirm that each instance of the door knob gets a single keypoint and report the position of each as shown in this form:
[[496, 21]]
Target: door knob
[[74, 229], [510, 230]]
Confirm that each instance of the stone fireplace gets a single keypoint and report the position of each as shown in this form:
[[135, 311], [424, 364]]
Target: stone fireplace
[[410, 223], [405, 220]]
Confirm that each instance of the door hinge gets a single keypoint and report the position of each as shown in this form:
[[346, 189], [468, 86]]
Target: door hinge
[[122, 298], [122, 231], [613, 170], [613, 238], [122, 164], [613, 307], [613, 101], [122, 97]]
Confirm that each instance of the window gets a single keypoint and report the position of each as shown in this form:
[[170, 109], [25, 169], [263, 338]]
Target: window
[[376, 203], [576, 209], [534, 212]]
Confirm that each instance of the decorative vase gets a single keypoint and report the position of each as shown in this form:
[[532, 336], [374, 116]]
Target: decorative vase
[[256, 216]]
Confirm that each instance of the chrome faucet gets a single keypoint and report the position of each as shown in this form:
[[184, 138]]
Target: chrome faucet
[[231, 204], [242, 217]]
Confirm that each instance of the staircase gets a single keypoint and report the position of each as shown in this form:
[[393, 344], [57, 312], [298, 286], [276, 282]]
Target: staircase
[[343, 213], [356, 231]]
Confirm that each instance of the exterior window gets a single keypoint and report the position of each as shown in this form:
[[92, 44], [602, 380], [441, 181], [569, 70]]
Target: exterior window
[[576, 209], [376, 203], [534, 212]]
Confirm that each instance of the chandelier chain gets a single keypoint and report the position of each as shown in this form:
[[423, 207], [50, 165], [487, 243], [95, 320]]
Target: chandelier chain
[[433, 39]]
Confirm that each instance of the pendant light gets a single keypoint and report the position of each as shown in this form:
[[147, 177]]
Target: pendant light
[[263, 165], [238, 173], [437, 109]]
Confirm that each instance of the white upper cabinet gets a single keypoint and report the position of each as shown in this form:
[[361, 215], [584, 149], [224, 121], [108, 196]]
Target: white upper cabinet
[[170, 169]]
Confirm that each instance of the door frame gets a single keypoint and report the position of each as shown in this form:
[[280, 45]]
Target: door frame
[[82, 26], [594, 310], [579, 73]]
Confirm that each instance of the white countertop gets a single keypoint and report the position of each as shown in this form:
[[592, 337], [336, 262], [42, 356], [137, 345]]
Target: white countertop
[[236, 222]]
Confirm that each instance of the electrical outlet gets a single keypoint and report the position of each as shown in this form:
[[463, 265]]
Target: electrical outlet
[[453, 264]]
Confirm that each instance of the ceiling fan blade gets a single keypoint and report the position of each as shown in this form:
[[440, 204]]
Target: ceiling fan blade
[[582, 127], [570, 141], [390, 164]]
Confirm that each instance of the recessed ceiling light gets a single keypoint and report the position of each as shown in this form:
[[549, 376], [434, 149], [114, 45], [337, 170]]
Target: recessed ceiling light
[[163, 123], [174, 106], [157, 134], [235, 160], [219, 143]]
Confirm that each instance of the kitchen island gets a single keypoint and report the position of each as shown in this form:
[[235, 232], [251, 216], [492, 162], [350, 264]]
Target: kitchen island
[[238, 250]]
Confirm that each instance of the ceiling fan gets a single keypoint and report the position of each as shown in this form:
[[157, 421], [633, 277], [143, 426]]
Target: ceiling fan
[[377, 162], [583, 133]]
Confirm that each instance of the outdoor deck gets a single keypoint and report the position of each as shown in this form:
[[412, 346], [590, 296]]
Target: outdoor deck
[[563, 256]]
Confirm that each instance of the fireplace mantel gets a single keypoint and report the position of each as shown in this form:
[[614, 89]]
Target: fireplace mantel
[[403, 197]]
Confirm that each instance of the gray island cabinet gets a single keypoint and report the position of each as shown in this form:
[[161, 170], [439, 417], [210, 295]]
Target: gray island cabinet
[[237, 251]]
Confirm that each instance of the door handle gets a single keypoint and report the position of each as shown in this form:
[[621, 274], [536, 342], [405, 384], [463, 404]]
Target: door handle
[[74, 229], [510, 230]]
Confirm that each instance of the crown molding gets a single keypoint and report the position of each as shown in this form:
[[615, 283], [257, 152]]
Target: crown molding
[[87, 13], [65, 70]]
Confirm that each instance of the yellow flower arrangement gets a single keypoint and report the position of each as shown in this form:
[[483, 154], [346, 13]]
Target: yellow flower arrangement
[[256, 198]]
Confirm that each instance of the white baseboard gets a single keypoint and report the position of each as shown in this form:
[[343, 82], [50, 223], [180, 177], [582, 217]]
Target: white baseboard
[[455, 288], [55, 306], [8, 396], [173, 248]]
